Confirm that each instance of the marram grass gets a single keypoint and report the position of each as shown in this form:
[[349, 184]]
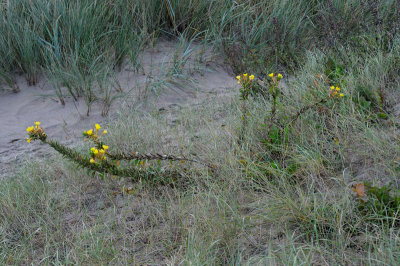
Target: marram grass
[[101, 160], [297, 209]]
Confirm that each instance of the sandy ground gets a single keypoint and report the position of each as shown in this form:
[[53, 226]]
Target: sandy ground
[[148, 88]]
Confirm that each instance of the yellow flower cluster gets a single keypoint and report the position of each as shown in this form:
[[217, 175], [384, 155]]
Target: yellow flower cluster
[[98, 154], [35, 132], [93, 133], [244, 79], [278, 77], [334, 91]]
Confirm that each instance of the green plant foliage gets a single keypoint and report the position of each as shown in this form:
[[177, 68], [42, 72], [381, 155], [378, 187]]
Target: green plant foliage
[[102, 161], [380, 204]]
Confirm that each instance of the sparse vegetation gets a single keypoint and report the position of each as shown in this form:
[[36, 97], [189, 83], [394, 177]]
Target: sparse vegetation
[[295, 168]]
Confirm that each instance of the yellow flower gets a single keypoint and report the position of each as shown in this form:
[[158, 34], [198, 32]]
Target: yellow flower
[[89, 132], [105, 132], [97, 126], [37, 123], [280, 76], [102, 151], [94, 150], [341, 95], [271, 75], [245, 75], [337, 88], [29, 129], [251, 77], [28, 140], [92, 160], [332, 88], [105, 147]]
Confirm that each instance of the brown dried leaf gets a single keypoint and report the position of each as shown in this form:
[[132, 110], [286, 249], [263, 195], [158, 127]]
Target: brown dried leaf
[[359, 189]]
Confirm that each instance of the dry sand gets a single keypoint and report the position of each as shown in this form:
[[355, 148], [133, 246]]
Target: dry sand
[[65, 123]]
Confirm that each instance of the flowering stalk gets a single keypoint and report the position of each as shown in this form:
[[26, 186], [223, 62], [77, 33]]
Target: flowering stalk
[[246, 82], [333, 93], [102, 161], [134, 173], [101, 151], [274, 91]]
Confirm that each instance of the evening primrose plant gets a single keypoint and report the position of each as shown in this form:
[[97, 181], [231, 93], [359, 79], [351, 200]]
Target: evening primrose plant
[[277, 123], [99, 159], [246, 89]]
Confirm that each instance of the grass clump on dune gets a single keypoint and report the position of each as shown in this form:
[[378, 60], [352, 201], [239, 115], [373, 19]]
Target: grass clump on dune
[[271, 202], [303, 176]]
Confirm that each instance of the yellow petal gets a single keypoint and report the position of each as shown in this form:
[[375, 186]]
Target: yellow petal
[[92, 160], [251, 77], [337, 88], [105, 132], [271, 75], [341, 95], [89, 132], [97, 126], [28, 140], [332, 87], [105, 147], [238, 77], [37, 123]]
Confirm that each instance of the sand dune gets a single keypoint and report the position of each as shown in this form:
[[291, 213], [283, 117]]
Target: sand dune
[[65, 123]]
